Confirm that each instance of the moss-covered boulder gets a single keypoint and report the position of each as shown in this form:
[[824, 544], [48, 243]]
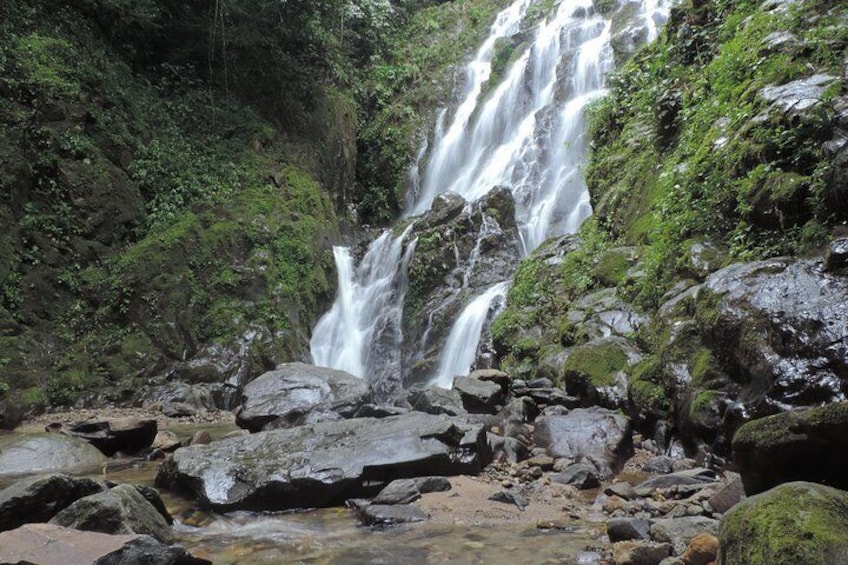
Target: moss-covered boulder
[[793, 523], [803, 444], [597, 371]]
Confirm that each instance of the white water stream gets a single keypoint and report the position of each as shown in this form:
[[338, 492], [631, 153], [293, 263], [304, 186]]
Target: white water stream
[[528, 134]]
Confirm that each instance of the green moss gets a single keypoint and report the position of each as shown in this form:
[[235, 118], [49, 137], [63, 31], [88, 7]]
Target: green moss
[[685, 146], [648, 388], [789, 427], [703, 408], [611, 268], [792, 523], [595, 365]]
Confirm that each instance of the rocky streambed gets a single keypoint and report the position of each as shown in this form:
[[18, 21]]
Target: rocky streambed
[[494, 469]]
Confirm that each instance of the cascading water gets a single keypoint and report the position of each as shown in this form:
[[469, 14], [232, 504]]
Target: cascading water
[[526, 134]]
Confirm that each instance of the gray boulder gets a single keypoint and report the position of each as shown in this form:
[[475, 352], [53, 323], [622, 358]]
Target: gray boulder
[[38, 499], [387, 514], [680, 531], [691, 477], [436, 400], [578, 475], [325, 463], [296, 394], [47, 453], [728, 495], [599, 436], [404, 491], [623, 529], [478, 397], [121, 510]]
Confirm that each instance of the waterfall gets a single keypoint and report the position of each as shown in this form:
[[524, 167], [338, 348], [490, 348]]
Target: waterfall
[[526, 133]]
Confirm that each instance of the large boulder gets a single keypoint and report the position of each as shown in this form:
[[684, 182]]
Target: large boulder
[[46, 453], [793, 523], [49, 544], [128, 435], [754, 339], [37, 499], [120, 510], [479, 397], [599, 436], [803, 444], [325, 463], [296, 394], [436, 400]]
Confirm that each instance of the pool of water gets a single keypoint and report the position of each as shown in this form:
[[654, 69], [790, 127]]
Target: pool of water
[[334, 536]]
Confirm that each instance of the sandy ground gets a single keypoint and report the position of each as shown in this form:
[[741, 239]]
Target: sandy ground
[[549, 506]]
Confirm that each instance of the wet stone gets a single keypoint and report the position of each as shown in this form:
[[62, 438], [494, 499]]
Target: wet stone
[[579, 475], [510, 497], [404, 491], [387, 514], [623, 529]]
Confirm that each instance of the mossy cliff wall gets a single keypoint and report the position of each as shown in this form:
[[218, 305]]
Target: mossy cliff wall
[[723, 142]]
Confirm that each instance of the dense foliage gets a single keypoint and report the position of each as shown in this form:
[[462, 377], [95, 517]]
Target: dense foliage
[[173, 173]]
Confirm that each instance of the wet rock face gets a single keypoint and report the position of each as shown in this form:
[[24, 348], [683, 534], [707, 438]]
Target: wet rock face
[[460, 250], [46, 453], [594, 435], [39, 499], [324, 463], [120, 510], [804, 444], [296, 394], [792, 321], [756, 339], [796, 522]]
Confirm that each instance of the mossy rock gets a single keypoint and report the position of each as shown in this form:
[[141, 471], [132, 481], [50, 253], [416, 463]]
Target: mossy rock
[[596, 372], [802, 444], [647, 390], [793, 523]]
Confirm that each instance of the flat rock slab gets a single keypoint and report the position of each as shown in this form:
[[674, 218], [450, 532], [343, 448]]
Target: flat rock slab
[[595, 435], [296, 393], [404, 491], [46, 453], [47, 544], [478, 397], [324, 464]]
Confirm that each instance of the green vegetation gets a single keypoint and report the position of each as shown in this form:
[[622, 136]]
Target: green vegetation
[[686, 145], [174, 176]]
